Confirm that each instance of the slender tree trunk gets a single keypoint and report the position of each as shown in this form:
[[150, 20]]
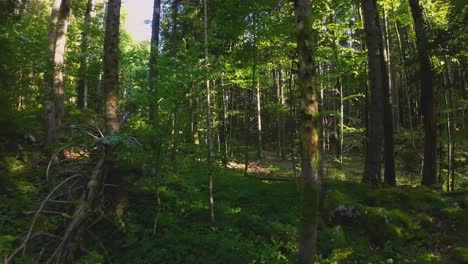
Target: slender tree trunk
[[82, 89], [452, 141], [59, 59], [427, 95], [256, 86], [341, 138], [111, 99], [293, 111], [111, 67], [49, 105], [154, 106], [208, 115], [259, 123], [310, 132], [153, 69], [276, 79], [282, 121], [246, 130], [389, 175], [372, 168], [223, 115]]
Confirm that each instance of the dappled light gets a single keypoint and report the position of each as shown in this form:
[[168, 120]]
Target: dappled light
[[233, 131]]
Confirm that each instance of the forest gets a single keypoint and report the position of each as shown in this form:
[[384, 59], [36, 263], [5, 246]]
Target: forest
[[240, 131]]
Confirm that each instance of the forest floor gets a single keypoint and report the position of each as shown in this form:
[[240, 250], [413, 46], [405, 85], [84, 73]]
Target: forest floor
[[257, 217]]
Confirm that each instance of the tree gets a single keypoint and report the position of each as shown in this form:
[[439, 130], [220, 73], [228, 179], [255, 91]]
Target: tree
[[59, 59], [309, 128], [372, 173], [82, 88], [111, 97], [49, 105], [208, 114], [111, 67], [153, 69], [427, 95]]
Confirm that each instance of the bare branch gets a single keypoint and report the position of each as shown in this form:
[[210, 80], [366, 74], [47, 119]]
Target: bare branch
[[57, 153]]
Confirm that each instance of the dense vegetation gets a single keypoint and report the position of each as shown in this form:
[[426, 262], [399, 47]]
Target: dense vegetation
[[243, 131]]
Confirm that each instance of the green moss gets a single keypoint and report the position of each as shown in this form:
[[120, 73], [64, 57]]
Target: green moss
[[335, 198], [459, 255], [341, 255]]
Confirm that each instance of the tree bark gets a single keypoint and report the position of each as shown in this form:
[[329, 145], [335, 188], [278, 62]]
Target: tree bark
[[427, 95], [259, 123], [49, 107], [223, 115], [82, 89], [388, 85], [372, 174], [246, 131], [111, 99], [153, 69], [59, 59], [208, 114], [111, 67], [310, 132]]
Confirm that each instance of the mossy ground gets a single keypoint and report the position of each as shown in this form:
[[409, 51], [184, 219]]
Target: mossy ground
[[256, 219]]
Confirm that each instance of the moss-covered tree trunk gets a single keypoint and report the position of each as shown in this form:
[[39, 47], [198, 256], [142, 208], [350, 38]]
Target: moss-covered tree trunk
[[310, 134]]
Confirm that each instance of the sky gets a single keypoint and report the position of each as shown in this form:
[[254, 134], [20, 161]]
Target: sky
[[137, 11]]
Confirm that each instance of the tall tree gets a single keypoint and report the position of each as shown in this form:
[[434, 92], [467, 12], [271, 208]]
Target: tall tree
[[111, 67], [208, 113], [49, 107], [82, 88], [59, 58], [389, 122], [310, 134], [154, 107], [153, 69], [427, 95], [372, 168], [111, 98]]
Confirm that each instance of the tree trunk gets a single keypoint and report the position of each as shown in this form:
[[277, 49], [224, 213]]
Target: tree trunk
[[223, 139], [282, 128], [310, 132], [82, 89], [111, 99], [49, 107], [372, 172], [208, 115], [388, 85], [259, 123], [59, 59], [154, 106], [111, 67], [153, 63], [256, 87], [427, 95], [246, 131]]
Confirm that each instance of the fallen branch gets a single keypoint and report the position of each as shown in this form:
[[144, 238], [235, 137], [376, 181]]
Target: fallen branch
[[56, 154]]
